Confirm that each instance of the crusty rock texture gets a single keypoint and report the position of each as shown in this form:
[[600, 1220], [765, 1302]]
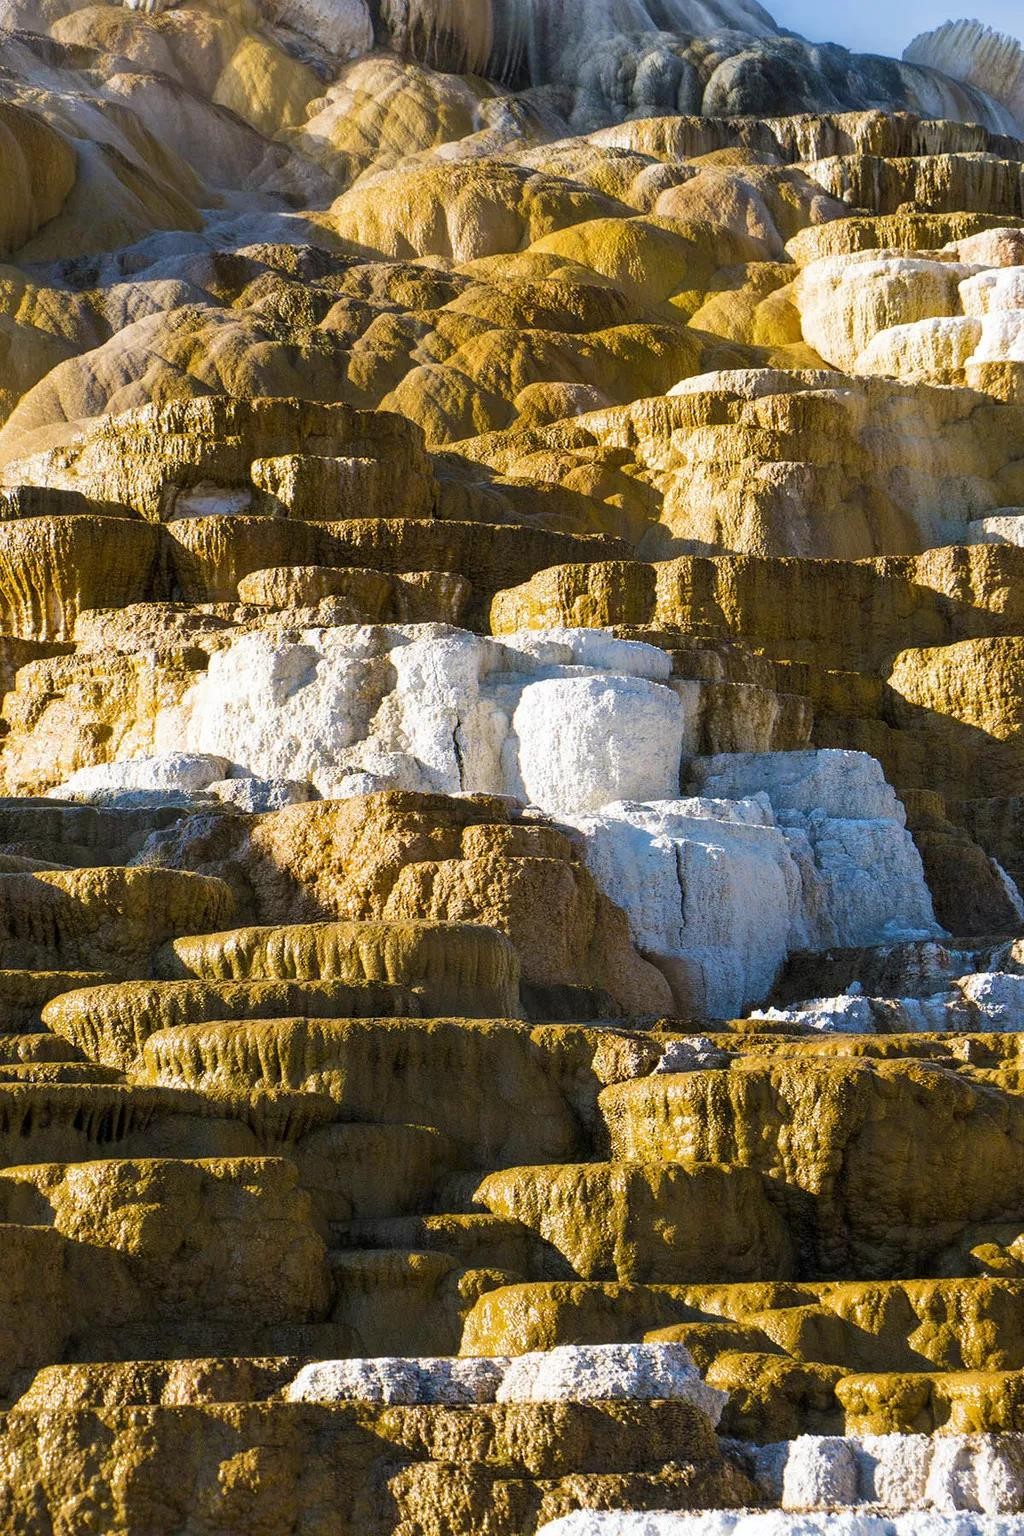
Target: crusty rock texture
[[511, 772]]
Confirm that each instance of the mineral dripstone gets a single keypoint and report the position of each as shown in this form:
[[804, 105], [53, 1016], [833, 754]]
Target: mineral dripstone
[[511, 772]]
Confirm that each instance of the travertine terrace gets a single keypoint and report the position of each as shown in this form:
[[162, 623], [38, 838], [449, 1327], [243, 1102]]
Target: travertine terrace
[[511, 773]]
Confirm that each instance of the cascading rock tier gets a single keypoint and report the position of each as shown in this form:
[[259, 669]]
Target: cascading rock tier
[[511, 773]]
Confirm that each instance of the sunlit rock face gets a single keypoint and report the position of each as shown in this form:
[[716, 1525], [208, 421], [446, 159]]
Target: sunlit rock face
[[716, 56], [781, 852], [603, 59], [511, 772], [977, 55]]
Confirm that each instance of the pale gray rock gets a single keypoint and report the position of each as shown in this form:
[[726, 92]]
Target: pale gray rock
[[979, 56], [399, 1381], [719, 891], [698, 1053], [998, 527], [860, 870], [996, 1000], [581, 1373], [647, 57], [366, 1381], [775, 1523], [849, 1014], [820, 1473], [261, 795], [603, 61], [832, 783], [936, 1475], [181, 774]]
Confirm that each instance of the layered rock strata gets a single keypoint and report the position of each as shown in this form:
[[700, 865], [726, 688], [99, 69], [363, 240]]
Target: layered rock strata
[[511, 773]]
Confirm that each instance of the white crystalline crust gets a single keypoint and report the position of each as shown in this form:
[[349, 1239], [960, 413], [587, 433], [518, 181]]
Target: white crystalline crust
[[778, 852], [941, 1474], [571, 719], [179, 776], [875, 1485], [773, 1523], [984, 1002], [601, 1372], [711, 900], [398, 1381], [926, 318], [182, 772], [569, 1374], [798, 850]]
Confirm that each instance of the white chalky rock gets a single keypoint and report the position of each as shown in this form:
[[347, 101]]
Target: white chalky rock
[[990, 248], [469, 1380], [306, 711], [893, 1469], [594, 648], [849, 1014], [697, 1053], [998, 1474], [997, 1000], [990, 1003], [833, 783], [582, 1373], [624, 1523], [926, 348], [578, 742], [367, 1381], [209, 500], [1002, 337], [951, 1484], [912, 317], [845, 301], [820, 1473], [776, 1523], [342, 27], [933, 349], [399, 1381], [1003, 527], [945, 1474], [185, 773], [260, 795], [568, 719], [570, 1373], [710, 899], [863, 880], [999, 288], [783, 851]]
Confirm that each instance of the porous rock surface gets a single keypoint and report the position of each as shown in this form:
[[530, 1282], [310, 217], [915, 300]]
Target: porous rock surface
[[511, 772], [752, 1524]]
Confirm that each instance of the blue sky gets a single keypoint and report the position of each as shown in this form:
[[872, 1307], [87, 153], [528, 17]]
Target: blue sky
[[880, 26]]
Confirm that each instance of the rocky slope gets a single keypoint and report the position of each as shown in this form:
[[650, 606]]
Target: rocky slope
[[512, 772]]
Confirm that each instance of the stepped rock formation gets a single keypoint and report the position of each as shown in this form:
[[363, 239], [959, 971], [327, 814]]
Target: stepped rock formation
[[977, 55], [511, 772]]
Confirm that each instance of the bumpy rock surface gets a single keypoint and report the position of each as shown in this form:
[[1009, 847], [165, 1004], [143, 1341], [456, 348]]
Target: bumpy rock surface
[[511, 772]]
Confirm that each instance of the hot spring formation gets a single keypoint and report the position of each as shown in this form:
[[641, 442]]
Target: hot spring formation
[[511, 772]]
